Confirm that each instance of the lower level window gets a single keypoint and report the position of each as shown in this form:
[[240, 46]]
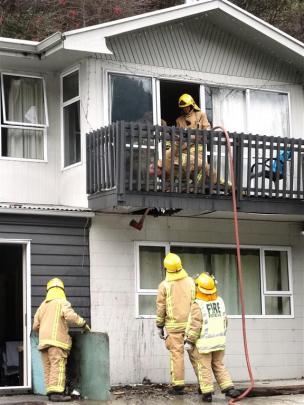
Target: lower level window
[[21, 143], [266, 274]]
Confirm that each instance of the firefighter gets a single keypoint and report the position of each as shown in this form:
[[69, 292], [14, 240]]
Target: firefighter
[[52, 321], [192, 116], [174, 298], [206, 338]]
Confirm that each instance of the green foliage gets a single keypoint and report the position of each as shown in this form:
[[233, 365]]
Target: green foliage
[[287, 15]]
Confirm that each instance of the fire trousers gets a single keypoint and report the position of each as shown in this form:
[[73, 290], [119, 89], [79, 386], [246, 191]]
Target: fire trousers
[[175, 344], [54, 364], [209, 364]]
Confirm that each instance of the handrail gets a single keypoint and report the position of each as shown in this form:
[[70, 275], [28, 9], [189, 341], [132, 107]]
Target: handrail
[[143, 158]]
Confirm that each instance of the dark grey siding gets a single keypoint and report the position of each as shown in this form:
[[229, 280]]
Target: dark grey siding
[[59, 248]]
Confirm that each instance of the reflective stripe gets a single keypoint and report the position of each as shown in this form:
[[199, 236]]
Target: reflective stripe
[[61, 376], [160, 321], [178, 382], [56, 343], [56, 321], [205, 388], [169, 303], [172, 325], [173, 380], [55, 388], [213, 332], [193, 334], [193, 292], [226, 384]]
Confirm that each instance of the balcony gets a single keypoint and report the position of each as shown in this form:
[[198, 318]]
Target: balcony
[[136, 166]]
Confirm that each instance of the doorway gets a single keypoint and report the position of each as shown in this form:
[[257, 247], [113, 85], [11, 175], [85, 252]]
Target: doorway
[[170, 92], [13, 315]]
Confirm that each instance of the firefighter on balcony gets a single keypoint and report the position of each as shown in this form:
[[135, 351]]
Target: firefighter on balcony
[[192, 116], [175, 296], [206, 338], [52, 321]]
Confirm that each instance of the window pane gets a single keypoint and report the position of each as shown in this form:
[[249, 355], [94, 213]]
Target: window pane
[[24, 100], [268, 113], [131, 98], [222, 263], [71, 127], [22, 143], [146, 304], [70, 85], [229, 108], [276, 271], [151, 266], [277, 306]]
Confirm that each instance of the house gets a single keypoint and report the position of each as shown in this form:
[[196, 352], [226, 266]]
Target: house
[[118, 82]]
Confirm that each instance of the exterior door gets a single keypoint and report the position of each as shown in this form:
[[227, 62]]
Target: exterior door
[[15, 371]]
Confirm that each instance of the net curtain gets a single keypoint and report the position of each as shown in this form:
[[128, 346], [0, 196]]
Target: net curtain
[[25, 105]]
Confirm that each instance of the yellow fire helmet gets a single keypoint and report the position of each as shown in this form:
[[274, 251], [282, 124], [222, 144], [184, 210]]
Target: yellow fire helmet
[[55, 290], [206, 283], [172, 263], [186, 100], [55, 282]]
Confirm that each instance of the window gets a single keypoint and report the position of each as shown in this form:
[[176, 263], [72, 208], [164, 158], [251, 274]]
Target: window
[[131, 98], [266, 274], [151, 274], [250, 111], [70, 103], [23, 117], [253, 111]]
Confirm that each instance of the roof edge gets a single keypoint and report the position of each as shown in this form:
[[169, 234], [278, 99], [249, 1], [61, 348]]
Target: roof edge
[[133, 23]]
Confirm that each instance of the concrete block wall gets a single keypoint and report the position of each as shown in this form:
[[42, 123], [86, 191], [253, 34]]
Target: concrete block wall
[[275, 345]]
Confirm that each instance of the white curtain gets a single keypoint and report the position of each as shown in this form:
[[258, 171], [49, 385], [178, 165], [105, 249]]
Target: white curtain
[[229, 109], [225, 269], [25, 105], [268, 114]]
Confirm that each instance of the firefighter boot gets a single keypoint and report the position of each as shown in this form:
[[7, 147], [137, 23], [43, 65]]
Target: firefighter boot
[[59, 398], [207, 397], [176, 390], [232, 393]]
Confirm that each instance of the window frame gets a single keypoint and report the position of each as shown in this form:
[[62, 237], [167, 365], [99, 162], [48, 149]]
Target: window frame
[[264, 293], [156, 94], [43, 128], [24, 124], [64, 104]]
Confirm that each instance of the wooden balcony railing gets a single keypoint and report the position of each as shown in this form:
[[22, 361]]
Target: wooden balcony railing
[[140, 158]]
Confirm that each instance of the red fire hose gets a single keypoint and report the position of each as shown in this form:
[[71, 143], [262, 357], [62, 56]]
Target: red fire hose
[[239, 269]]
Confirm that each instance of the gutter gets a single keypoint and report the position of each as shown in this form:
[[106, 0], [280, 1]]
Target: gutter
[[46, 212]]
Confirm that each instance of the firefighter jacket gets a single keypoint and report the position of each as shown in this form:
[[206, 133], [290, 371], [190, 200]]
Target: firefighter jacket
[[174, 299], [207, 325], [52, 321], [195, 120]]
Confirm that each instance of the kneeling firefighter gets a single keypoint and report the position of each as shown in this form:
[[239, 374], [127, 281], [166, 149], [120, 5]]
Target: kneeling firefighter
[[52, 321], [206, 338], [174, 298]]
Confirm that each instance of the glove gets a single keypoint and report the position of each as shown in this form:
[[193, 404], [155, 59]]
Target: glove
[[188, 346], [86, 328], [161, 333]]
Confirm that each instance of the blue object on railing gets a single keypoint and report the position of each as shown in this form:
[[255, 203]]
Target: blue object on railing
[[280, 161]]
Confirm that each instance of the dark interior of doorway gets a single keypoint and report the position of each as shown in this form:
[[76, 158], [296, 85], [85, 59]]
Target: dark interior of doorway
[[11, 315], [170, 92]]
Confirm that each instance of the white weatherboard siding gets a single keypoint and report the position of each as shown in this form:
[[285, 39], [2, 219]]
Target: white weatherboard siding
[[135, 349]]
